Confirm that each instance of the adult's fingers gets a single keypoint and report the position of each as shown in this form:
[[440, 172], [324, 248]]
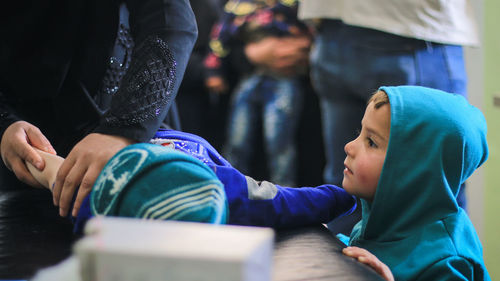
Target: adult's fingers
[[71, 183], [85, 188], [29, 154], [16, 144], [23, 174], [38, 140], [63, 172]]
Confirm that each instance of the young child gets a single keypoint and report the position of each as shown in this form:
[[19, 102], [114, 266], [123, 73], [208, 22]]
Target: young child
[[180, 176], [263, 96], [416, 147]]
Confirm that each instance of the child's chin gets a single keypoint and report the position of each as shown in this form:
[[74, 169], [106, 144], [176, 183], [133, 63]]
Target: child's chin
[[346, 186], [345, 181]]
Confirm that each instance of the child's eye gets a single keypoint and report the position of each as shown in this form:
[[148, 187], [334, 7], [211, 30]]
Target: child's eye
[[371, 143]]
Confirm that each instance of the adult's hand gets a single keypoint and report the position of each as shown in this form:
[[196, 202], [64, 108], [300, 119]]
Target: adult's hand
[[364, 256], [282, 55], [82, 167], [16, 148]]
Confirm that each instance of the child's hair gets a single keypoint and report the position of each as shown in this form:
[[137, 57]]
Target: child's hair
[[379, 98]]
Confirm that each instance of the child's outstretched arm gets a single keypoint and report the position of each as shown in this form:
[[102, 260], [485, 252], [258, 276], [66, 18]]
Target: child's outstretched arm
[[47, 176], [364, 256]]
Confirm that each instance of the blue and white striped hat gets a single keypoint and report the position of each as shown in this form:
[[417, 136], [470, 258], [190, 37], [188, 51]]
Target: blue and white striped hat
[[154, 182]]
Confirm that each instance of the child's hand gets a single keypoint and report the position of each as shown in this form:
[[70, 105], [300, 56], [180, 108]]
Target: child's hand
[[368, 258], [216, 84]]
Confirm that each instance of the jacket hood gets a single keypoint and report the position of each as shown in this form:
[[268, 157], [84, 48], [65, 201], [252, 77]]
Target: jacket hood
[[437, 140], [414, 224]]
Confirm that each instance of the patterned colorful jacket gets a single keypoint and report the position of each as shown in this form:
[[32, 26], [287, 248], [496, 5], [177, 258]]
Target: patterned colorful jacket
[[246, 21]]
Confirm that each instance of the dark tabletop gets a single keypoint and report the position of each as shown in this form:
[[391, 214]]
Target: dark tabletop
[[33, 236], [313, 253]]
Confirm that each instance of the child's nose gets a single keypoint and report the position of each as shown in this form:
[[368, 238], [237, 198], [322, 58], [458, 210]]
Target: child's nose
[[348, 148]]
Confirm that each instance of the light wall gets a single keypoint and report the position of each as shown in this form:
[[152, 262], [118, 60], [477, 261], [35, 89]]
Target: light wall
[[474, 60], [483, 188], [491, 240]]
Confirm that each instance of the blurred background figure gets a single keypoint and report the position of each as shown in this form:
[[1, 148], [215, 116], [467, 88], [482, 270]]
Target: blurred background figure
[[269, 95], [199, 113], [361, 45]]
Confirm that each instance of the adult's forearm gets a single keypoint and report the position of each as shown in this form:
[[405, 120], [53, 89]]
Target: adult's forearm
[[164, 33], [173, 21]]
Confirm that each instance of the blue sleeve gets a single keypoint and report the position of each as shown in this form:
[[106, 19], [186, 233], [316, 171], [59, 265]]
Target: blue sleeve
[[343, 238], [84, 214], [266, 204]]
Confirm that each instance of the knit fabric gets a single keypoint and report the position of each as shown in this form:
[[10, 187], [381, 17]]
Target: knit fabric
[[148, 181]]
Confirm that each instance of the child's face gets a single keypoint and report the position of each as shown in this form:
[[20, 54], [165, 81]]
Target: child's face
[[366, 153]]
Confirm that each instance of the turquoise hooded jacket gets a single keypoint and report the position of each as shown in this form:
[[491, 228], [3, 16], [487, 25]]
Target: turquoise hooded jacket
[[414, 225]]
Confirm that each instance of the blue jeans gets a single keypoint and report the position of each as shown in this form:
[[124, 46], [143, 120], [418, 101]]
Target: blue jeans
[[349, 63], [276, 102]]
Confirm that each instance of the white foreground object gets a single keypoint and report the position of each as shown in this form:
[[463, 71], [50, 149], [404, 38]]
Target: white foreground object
[[132, 249], [67, 270]]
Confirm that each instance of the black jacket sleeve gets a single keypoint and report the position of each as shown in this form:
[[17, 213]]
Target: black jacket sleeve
[[7, 116], [164, 33]]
